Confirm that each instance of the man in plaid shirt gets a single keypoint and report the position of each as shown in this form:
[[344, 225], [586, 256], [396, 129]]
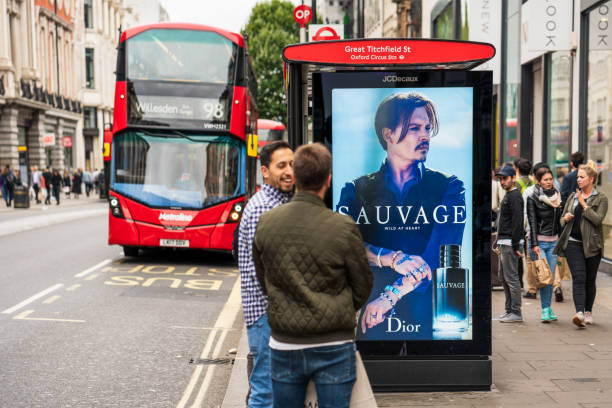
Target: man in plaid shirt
[[277, 171]]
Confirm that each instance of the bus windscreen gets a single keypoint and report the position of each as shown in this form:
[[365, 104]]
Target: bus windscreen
[[189, 56], [191, 172]]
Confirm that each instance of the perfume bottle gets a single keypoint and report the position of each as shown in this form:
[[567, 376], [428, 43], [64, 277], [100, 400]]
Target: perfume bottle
[[451, 292]]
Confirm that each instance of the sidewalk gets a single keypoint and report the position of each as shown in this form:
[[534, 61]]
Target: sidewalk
[[534, 364], [13, 220]]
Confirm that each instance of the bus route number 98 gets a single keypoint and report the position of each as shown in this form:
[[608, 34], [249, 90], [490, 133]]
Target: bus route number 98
[[213, 110]]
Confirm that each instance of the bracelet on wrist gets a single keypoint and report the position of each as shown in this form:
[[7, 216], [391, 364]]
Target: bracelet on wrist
[[392, 289], [394, 258], [378, 258], [387, 297]]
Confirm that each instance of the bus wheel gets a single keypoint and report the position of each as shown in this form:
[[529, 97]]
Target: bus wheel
[[130, 251]]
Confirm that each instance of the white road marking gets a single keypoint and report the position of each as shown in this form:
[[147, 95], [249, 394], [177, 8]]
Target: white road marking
[[73, 287], [51, 300], [39, 221], [93, 268], [33, 298], [24, 316], [202, 328], [92, 277], [226, 319]]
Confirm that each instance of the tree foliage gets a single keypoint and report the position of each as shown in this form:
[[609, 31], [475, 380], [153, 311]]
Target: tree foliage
[[270, 28]]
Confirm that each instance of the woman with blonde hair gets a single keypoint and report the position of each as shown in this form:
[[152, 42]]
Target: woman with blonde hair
[[582, 240]]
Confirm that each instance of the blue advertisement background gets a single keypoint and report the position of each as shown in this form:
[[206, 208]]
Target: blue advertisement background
[[357, 151]]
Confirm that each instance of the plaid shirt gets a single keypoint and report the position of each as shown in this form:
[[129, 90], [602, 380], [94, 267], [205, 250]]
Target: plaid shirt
[[254, 302]]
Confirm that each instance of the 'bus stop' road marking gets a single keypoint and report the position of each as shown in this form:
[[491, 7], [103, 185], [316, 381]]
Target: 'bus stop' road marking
[[24, 316], [93, 268], [226, 319], [32, 299]]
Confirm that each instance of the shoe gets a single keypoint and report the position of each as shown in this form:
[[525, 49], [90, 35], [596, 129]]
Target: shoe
[[558, 295], [551, 315], [578, 320], [546, 315], [530, 295], [512, 318], [588, 318], [506, 314]]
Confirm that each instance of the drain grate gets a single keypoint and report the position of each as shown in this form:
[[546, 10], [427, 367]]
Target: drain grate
[[210, 361]]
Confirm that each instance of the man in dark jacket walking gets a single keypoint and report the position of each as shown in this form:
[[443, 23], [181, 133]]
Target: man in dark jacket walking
[[510, 239], [312, 265], [570, 181]]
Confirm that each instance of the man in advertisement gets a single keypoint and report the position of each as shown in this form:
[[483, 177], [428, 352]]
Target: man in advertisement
[[406, 212]]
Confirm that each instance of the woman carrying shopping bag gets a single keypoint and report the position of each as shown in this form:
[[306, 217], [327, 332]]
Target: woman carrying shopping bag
[[543, 215], [582, 240]]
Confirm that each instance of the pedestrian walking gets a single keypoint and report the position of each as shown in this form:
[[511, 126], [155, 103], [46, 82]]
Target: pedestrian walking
[[48, 180], [8, 185], [36, 182], [582, 240], [570, 183], [544, 213], [66, 179], [95, 176], [277, 172], [312, 265], [87, 179], [510, 241], [77, 180], [57, 182]]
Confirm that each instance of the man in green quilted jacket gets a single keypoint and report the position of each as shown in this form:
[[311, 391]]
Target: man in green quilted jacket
[[312, 265]]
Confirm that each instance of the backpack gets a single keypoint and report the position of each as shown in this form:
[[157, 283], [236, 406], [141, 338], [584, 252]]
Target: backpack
[[10, 178]]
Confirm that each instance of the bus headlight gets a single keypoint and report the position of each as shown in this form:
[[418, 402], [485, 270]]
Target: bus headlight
[[236, 212], [115, 207]]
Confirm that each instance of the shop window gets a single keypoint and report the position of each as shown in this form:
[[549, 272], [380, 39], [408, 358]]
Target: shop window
[[89, 68], [558, 123], [443, 24], [510, 149]]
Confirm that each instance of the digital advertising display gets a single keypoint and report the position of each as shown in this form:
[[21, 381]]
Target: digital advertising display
[[405, 155]]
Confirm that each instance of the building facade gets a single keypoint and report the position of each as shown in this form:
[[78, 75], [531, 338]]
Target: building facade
[[39, 83]]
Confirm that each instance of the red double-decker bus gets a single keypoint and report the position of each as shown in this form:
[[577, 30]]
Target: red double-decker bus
[[268, 131], [185, 106]]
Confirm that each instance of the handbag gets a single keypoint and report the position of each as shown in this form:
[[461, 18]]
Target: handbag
[[362, 395], [544, 276]]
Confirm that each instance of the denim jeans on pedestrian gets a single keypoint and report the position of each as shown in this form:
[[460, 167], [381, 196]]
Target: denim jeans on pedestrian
[[546, 250], [258, 335], [508, 273], [332, 369]]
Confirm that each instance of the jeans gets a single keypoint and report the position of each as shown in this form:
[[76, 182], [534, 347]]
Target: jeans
[[546, 250], [508, 273], [258, 335], [7, 193], [332, 368], [584, 274]]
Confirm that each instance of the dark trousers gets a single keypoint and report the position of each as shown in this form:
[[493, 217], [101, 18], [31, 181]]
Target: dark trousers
[[584, 274], [510, 278], [36, 188], [56, 194]]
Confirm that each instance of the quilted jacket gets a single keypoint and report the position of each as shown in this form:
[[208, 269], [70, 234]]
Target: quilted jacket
[[312, 264]]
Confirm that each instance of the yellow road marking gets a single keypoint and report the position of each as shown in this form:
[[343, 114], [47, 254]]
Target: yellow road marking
[[24, 316], [92, 277], [73, 287], [51, 299]]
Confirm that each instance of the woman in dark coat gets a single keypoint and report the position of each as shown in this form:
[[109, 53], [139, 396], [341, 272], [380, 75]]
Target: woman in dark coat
[[67, 182], [57, 181], [77, 180]]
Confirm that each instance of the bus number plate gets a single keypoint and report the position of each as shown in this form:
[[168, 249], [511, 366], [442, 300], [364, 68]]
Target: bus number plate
[[180, 243]]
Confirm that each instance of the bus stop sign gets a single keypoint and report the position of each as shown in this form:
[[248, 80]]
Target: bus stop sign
[[302, 15]]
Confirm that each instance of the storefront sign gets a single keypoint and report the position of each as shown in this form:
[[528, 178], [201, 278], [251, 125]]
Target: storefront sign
[[67, 141], [48, 139], [547, 25], [388, 52], [485, 26], [325, 32], [600, 28]]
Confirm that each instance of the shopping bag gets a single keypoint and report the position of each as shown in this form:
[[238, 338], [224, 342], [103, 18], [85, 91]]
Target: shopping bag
[[362, 395], [544, 275], [563, 268]]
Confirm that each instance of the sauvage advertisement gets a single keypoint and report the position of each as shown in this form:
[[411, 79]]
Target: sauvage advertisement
[[402, 169]]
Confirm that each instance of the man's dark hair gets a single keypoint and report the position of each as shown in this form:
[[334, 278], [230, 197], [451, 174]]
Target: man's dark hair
[[397, 109], [265, 156], [577, 158], [523, 166], [312, 165]]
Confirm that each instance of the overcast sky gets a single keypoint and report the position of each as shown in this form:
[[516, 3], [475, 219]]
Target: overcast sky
[[230, 15]]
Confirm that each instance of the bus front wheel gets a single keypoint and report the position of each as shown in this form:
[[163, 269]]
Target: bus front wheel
[[130, 251]]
